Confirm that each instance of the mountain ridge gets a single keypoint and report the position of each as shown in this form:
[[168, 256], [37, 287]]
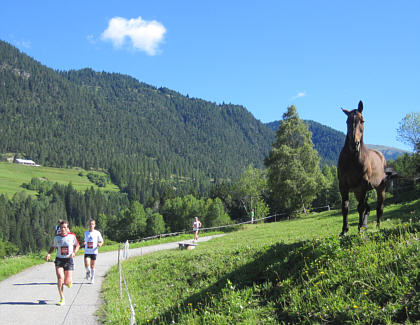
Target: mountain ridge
[[148, 139], [328, 142]]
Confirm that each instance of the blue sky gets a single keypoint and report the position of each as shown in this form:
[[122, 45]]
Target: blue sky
[[264, 55]]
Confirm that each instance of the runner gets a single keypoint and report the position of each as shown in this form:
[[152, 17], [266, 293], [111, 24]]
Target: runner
[[196, 228], [57, 227], [67, 246], [93, 239]]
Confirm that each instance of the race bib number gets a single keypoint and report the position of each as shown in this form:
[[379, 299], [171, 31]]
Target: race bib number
[[64, 250], [90, 244]]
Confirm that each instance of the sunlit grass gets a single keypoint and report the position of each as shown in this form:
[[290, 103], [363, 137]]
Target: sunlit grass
[[295, 271], [12, 176], [14, 265]]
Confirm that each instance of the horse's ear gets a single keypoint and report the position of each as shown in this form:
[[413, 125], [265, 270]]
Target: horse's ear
[[345, 111], [360, 108]]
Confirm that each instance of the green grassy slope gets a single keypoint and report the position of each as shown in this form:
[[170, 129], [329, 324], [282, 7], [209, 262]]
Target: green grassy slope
[[12, 176], [296, 271]]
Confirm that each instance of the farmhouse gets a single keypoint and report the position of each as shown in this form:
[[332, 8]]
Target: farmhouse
[[25, 162]]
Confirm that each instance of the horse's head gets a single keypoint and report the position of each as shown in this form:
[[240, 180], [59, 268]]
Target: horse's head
[[355, 128]]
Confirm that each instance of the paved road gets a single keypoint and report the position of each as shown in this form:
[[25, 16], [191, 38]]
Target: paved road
[[31, 296]]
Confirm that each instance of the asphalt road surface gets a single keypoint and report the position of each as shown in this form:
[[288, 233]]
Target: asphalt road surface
[[31, 296]]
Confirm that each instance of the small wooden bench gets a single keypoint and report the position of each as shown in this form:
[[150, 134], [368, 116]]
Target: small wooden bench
[[187, 246]]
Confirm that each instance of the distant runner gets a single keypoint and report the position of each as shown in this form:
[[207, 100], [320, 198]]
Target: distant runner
[[67, 246], [93, 239], [196, 228]]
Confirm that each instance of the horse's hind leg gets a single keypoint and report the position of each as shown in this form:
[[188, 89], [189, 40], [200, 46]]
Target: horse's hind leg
[[380, 194], [345, 211], [363, 210], [366, 216]]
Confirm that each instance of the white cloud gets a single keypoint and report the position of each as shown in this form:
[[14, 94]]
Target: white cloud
[[143, 35], [299, 95]]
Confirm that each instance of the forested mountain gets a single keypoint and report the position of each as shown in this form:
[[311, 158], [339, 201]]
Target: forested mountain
[[145, 137], [327, 141], [150, 140]]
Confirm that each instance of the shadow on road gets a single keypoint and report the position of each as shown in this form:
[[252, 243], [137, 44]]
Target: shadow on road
[[36, 283], [40, 302]]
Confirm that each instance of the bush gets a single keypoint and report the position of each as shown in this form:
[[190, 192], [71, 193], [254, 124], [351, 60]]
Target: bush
[[99, 180], [7, 249], [79, 232]]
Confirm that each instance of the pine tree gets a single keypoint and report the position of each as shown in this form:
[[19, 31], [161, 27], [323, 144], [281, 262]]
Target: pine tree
[[294, 175]]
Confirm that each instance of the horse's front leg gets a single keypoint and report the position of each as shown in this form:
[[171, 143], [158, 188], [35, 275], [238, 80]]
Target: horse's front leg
[[345, 212], [361, 210]]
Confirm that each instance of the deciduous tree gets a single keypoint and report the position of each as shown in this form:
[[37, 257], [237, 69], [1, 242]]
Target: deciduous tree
[[250, 190], [409, 130]]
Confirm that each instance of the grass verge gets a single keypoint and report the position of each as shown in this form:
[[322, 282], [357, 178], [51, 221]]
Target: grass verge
[[13, 265]]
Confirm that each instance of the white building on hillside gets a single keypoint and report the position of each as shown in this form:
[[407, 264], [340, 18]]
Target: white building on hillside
[[25, 162]]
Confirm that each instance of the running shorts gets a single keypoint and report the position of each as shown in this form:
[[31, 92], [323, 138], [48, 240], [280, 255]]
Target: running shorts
[[66, 263], [91, 256]]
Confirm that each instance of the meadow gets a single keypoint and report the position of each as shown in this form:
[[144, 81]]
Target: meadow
[[16, 264], [12, 176], [289, 272]]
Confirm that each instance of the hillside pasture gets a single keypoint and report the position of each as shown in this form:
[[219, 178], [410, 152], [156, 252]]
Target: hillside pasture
[[12, 176], [294, 271]]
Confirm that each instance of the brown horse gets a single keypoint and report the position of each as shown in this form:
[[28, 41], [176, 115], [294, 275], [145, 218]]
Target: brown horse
[[359, 170]]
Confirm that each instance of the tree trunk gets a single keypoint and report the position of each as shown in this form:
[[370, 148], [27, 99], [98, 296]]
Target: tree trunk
[[303, 204]]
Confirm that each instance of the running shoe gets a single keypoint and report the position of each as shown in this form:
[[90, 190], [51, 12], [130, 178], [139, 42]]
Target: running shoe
[[92, 280], [70, 284], [61, 302]]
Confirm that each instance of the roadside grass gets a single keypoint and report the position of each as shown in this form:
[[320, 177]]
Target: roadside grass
[[12, 176], [13, 265], [295, 271]]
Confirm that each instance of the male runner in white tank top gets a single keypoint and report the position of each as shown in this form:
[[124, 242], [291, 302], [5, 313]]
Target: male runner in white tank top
[[67, 246]]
